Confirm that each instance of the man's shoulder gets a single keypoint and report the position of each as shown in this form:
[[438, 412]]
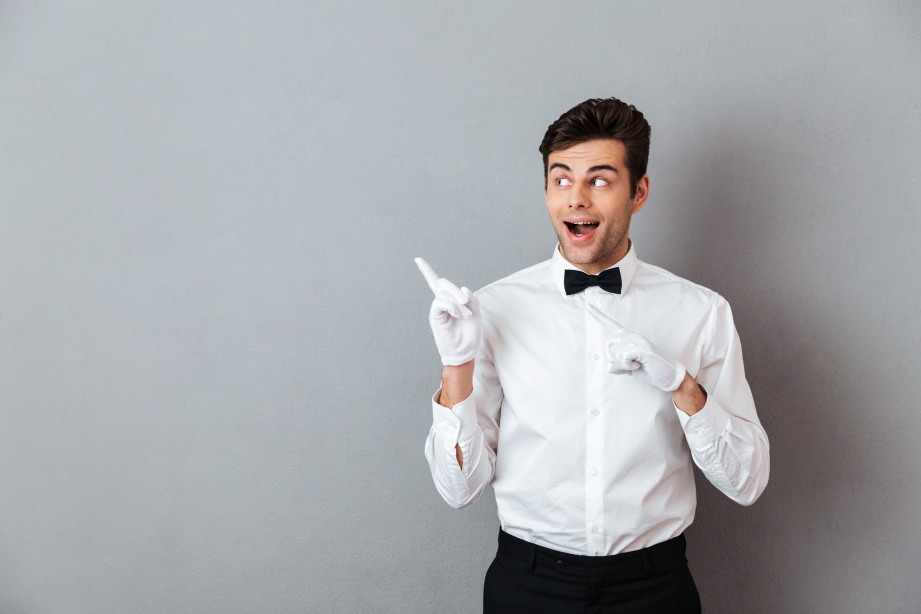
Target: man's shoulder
[[655, 278], [531, 278]]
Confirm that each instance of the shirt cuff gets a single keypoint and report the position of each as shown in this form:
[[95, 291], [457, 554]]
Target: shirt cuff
[[704, 427], [458, 422]]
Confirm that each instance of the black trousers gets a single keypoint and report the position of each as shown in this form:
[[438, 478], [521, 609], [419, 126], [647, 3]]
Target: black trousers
[[530, 579]]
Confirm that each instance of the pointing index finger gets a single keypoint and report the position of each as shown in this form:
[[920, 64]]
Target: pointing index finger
[[431, 277]]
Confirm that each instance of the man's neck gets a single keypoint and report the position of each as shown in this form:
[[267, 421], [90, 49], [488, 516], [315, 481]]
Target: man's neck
[[608, 262]]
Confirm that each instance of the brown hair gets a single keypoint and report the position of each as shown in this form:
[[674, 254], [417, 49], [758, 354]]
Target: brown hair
[[602, 118]]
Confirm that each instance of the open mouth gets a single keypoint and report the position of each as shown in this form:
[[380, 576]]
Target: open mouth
[[581, 229]]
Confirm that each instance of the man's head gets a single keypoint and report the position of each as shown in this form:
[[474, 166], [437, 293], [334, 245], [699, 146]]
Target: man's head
[[595, 179], [601, 118]]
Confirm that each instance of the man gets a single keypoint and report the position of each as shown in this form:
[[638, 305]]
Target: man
[[582, 389]]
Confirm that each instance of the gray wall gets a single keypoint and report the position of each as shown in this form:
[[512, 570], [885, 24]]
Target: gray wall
[[215, 361]]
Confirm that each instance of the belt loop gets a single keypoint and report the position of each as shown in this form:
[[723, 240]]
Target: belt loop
[[647, 566], [532, 558]]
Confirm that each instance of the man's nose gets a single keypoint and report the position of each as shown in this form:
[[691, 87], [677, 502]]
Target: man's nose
[[578, 196]]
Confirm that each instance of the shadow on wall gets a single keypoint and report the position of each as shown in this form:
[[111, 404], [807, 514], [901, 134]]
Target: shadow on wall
[[757, 559]]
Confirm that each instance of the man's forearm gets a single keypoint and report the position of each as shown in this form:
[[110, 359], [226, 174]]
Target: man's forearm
[[456, 385], [690, 397]]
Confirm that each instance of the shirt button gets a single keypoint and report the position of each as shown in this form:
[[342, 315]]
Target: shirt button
[[595, 413], [595, 357], [595, 473], [596, 530]]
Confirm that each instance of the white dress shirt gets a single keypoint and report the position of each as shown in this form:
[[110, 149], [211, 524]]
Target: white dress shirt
[[581, 460]]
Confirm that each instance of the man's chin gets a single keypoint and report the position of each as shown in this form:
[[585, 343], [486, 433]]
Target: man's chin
[[577, 254]]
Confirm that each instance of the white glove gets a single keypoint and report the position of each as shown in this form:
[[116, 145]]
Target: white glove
[[454, 317], [631, 353]]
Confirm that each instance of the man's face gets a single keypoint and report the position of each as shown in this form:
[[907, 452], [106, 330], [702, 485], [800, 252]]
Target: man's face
[[589, 201]]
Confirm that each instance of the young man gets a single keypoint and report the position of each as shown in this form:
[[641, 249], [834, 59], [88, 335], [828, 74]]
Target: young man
[[584, 387]]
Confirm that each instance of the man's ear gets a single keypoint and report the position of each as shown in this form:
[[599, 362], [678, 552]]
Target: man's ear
[[641, 193]]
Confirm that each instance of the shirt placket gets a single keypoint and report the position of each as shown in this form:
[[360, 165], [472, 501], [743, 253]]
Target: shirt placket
[[594, 430]]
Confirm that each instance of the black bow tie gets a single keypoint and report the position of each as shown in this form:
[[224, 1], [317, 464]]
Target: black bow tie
[[577, 281]]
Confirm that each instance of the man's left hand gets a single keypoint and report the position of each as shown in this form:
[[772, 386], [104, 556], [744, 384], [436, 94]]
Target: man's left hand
[[632, 354]]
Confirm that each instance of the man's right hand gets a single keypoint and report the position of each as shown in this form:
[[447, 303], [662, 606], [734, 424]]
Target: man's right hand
[[454, 317]]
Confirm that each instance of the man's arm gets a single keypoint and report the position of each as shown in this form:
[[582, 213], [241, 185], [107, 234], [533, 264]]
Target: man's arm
[[456, 385], [690, 396], [725, 436], [461, 446]]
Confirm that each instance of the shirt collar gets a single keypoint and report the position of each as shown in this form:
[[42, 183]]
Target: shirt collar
[[559, 264]]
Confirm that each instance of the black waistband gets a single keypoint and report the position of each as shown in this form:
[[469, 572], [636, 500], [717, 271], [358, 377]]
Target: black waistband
[[667, 554]]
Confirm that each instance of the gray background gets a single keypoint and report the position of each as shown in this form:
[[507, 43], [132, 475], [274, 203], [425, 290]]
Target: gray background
[[215, 360]]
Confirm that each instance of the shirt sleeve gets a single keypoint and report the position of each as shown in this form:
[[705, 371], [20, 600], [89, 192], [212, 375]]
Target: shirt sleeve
[[473, 424], [726, 438]]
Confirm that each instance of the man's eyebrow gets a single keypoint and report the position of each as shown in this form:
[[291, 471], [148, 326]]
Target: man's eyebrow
[[594, 169], [602, 167]]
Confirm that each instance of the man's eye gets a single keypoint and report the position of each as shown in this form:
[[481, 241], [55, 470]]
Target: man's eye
[[598, 182], [562, 181]]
